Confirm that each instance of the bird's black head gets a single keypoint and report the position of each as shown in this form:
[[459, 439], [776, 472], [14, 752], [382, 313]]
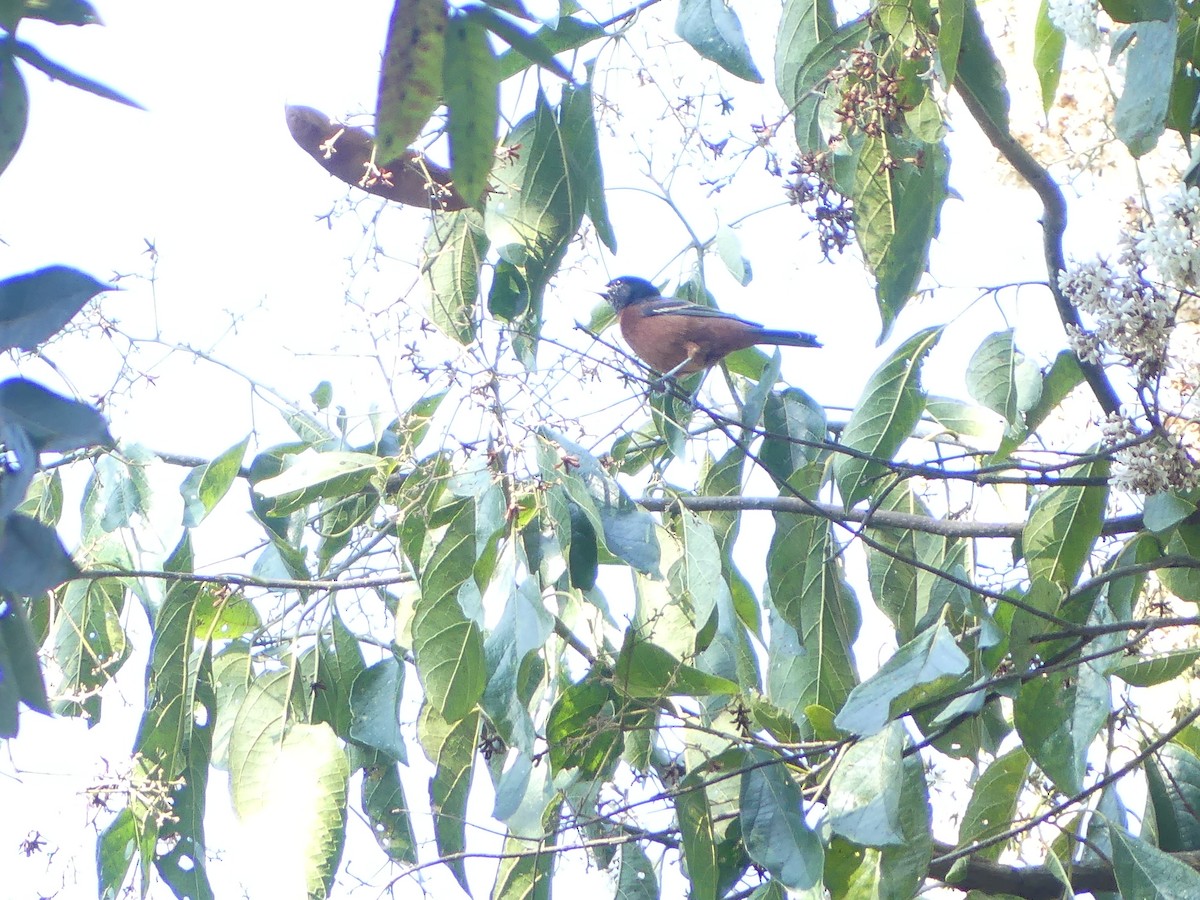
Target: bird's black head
[[627, 290]]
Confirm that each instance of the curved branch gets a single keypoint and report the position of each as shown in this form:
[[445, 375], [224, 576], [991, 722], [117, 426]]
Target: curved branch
[[1054, 225]]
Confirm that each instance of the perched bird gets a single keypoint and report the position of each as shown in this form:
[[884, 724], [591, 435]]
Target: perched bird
[[677, 337]]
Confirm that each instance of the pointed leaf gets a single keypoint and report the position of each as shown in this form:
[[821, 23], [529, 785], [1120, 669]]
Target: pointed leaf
[[1146, 872], [889, 408], [1057, 716], [410, 79], [32, 558], [993, 804], [715, 32], [865, 790], [1063, 526], [697, 837], [205, 485], [451, 748], [387, 809], [454, 252], [1141, 113], [375, 708], [773, 827], [52, 422], [472, 96], [1049, 45], [14, 112], [447, 644], [57, 72], [927, 664]]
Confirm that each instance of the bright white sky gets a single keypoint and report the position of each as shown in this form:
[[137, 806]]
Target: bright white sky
[[211, 176]]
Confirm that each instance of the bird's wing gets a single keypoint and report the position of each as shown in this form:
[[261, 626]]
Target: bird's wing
[[673, 306]]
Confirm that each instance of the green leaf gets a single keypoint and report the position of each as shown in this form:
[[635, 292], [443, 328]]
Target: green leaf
[[1049, 45], [1147, 671], [184, 865], [1173, 782], [1063, 526], [1146, 872], [63, 12], [773, 827], [223, 615], [583, 729], [52, 422], [636, 878], [89, 644], [32, 558], [1163, 511], [335, 664], [951, 18], [538, 207], [166, 730], [729, 249], [1002, 379], [884, 417], [448, 645], [715, 32], [523, 42], [14, 112], [114, 854], [979, 71], [410, 79], [570, 34], [646, 671], [231, 682], [451, 748], [796, 430], [1057, 716], [966, 420], [628, 530], [513, 662], [813, 72], [802, 27], [375, 708], [910, 596], [865, 790], [896, 208], [810, 658], [472, 97], [454, 252], [697, 836], [57, 72], [205, 485], [994, 800], [322, 395], [313, 476], [20, 675], [920, 669], [290, 778], [583, 157], [387, 809], [1141, 113], [1127, 11]]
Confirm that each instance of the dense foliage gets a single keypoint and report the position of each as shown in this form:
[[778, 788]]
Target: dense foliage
[[721, 734]]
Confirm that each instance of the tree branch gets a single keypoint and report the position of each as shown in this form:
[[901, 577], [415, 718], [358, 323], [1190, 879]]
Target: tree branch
[[879, 518], [1054, 225]]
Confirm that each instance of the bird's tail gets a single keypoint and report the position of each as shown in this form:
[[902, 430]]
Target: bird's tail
[[787, 338]]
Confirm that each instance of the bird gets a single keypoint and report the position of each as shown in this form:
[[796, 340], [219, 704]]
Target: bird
[[677, 337]]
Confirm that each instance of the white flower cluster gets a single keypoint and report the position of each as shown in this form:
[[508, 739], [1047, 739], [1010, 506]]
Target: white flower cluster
[[1144, 463], [1171, 243], [1077, 20], [1132, 317]]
